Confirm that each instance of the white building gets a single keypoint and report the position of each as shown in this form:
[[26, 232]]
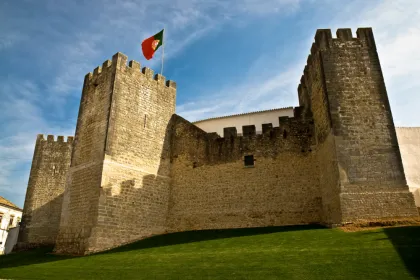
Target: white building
[[408, 138], [257, 118], [10, 217]]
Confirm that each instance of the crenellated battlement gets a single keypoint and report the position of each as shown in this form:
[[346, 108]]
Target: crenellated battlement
[[119, 62], [290, 126], [51, 139], [323, 41]]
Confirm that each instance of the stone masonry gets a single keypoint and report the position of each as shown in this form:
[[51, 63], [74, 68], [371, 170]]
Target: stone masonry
[[44, 196], [137, 169]]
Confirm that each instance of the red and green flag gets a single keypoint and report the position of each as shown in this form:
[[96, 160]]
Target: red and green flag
[[152, 44]]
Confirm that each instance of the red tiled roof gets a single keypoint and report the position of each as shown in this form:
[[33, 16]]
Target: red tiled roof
[[7, 203]]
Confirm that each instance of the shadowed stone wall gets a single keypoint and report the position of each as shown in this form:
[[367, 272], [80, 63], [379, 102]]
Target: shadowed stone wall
[[44, 196]]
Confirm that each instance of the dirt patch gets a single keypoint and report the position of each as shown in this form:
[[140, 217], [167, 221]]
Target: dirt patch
[[380, 223]]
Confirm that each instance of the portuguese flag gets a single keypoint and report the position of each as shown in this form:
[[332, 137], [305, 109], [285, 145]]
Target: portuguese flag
[[151, 45]]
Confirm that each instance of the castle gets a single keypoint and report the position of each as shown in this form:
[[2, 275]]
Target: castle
[[136, 169]]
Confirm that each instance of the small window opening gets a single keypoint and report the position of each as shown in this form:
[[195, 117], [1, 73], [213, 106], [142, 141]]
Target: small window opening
[[249, 161]]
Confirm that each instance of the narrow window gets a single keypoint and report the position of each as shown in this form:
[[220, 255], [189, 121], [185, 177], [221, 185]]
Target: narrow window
[[11, 220], [145, 118], [1, 218], [249, 161]]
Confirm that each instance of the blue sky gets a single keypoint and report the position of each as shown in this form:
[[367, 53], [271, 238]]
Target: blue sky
[[226, 57]]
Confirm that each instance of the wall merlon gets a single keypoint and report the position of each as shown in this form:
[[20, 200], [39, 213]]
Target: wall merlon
[[305, 74], [88, 77], [314, 48], [171, 84], [298, 112], [267, 127], [366, 34], [60, 139], [107, 63], [97, 71], [119, 60], [344, 34], [159, 78], [135, 65], [50, 138], [284, 120], [147, 72], [309, 60], [40, 137], [323, 38], [229, 132], [70, 139], [248, 130]]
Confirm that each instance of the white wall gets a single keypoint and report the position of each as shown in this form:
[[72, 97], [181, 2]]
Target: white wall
[[257, 118], [11, 241], [6, 213], [409, 142]]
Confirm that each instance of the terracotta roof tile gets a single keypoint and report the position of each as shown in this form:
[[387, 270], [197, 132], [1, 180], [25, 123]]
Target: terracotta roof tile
[[241, 114], [5, 202]]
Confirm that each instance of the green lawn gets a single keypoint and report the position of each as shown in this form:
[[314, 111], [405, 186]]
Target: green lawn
[[264, 253]]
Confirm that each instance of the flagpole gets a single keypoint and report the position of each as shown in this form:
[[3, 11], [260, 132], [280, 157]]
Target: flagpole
[[163, 50]]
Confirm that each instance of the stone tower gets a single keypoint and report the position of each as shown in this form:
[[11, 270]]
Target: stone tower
[[120, 165], [361, 172], [44, 196]]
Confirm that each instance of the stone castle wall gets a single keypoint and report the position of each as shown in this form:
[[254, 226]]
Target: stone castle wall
[[44, 196], [372, 180], [135, 182], [121, 155], [80, 204], [314, 100], [212, 189], [137, 169]]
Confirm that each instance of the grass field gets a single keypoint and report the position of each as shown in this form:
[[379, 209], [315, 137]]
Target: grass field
[[264, 253]]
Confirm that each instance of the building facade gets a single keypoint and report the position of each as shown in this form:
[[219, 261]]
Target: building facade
[[136, 169], [10, 217]]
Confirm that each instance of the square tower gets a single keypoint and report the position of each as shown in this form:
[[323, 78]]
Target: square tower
[[118, 183], [361, 172]]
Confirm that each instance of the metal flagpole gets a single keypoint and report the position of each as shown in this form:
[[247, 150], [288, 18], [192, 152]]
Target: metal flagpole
[[163, 50]]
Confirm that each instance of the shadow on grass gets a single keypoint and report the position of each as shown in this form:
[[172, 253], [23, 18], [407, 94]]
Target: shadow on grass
[[34, 256], [406, 241], [44, 255], [204, 235]]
